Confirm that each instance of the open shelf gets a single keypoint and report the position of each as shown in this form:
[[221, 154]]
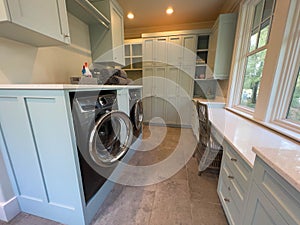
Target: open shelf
[[87, 12]]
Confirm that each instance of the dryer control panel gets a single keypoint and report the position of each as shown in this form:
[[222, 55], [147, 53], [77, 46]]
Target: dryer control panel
[[89, 103]]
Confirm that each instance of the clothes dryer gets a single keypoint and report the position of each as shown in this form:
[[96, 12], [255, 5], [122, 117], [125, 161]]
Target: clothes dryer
[[103, 136], [136, 114]]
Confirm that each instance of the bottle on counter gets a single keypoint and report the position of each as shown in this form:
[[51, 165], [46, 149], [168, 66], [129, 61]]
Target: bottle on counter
[[85, 70]]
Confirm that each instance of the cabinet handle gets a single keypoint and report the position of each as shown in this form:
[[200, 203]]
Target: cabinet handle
[[233, 159], [226, 199], [229, 189], [231, 177]]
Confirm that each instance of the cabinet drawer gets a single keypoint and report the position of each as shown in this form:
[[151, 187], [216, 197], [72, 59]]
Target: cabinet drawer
[[234, 187], [229, 206], [283, 196], [240, 169]]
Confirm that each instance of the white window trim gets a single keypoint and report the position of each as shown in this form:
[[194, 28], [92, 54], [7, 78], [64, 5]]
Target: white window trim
[[246, 14], [288, 64], [281, 58]]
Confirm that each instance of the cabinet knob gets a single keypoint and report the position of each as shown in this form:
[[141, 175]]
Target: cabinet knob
[[233, 159], [229, 189], [231, 177], [66, 35], [226, 199]]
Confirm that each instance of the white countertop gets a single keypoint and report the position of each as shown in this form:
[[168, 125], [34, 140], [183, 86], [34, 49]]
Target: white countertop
[[218, 102], [243, 134], [284, 161], [64, 86]]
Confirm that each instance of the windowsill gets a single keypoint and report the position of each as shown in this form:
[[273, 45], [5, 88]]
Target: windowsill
[[295, 136]]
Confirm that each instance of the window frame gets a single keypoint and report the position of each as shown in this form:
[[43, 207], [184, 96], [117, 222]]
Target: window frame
[[241, 54], [291, 65], [282, 57]]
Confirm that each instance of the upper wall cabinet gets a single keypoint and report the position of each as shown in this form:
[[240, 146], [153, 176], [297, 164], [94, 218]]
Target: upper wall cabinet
[[221, 42], [38, 23], [107, 43]]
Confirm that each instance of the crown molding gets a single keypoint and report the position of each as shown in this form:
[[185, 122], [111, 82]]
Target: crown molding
[[138, 31]]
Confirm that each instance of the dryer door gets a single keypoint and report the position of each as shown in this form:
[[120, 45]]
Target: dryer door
[[110, 138], [137, 115]]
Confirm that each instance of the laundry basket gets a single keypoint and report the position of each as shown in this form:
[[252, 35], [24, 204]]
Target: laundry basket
[[208, 151]]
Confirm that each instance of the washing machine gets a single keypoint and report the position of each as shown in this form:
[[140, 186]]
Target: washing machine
[[136, 115], [103, 136]]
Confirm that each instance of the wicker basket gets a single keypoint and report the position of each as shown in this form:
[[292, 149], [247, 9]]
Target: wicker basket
[[208, 152]]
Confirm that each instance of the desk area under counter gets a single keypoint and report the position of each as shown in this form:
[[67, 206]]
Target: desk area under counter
[[259, 181]]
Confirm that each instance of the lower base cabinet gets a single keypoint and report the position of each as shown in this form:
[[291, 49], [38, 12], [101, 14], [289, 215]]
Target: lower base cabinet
[[255, 196], [271, 200], [38, 144], [233, 186], [260, 210]]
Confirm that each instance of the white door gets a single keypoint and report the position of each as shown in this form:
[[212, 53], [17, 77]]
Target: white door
[[171, 83], [160, 51], [148, 73], [48, 17], [186, 81], [117, 30], [175, 51], [158, 101], [148, 52], [189, 50]]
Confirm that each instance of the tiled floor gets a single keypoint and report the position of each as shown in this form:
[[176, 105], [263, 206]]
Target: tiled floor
[[184, 198]]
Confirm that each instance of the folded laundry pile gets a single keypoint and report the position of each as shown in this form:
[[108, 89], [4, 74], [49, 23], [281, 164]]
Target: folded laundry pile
[[119, 77], [111, 76]]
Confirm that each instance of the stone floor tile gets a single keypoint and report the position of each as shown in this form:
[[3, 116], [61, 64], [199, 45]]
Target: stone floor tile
[[207, 214], [132, 206]]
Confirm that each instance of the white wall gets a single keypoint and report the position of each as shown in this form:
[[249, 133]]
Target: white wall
[[22, 63]]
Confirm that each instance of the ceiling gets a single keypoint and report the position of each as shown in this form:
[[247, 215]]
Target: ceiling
[[150, 13]]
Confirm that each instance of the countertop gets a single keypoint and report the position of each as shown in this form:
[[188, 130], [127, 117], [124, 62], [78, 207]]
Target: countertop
[[64, 86], [218, 102], [249, 139], [285, 161]]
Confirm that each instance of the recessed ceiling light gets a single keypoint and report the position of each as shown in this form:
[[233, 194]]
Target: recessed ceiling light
[[130, 16], [169, 10]]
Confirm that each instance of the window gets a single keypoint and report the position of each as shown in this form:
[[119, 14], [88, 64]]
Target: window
[[265, 75], [260, 30]]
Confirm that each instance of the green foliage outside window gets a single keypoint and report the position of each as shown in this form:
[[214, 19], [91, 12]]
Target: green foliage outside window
[[294, 109], [259, 38]]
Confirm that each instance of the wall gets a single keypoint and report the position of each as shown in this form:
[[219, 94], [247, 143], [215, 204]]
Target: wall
[[232, 6], [22, 63]]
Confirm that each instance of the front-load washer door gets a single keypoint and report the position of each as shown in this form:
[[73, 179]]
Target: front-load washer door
[[110, 138], [137, 115]]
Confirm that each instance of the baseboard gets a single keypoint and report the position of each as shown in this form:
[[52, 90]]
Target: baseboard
[[167, 125], [9, 209]]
